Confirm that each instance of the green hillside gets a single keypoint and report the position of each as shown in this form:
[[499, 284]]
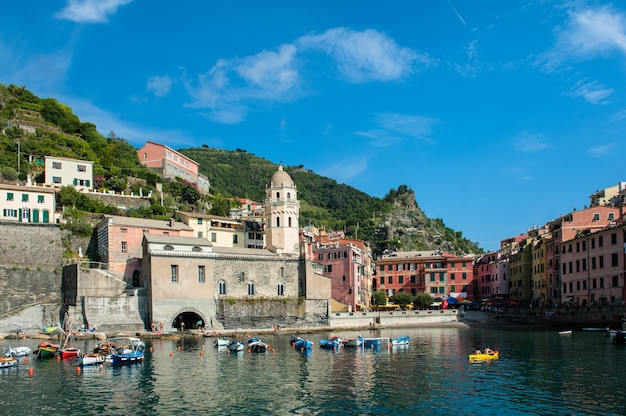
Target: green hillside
[[34, 127]]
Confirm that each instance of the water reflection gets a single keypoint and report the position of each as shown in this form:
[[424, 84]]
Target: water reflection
[[538, 373]]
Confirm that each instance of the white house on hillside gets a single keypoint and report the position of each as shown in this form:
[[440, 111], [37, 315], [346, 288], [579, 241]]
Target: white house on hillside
[[63, 171]]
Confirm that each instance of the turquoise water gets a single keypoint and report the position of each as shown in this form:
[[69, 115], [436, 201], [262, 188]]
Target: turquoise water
[[541, 373]]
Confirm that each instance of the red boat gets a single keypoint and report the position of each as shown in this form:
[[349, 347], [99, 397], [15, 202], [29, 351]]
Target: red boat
[[69, 353]]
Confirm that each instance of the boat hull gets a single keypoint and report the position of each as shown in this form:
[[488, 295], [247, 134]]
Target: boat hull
[[8, 362], [484, 357], [92, 359]]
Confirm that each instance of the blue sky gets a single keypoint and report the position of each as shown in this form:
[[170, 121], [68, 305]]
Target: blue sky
[[500, 115]]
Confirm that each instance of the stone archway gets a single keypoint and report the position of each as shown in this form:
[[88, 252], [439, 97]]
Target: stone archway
[[188, 319]]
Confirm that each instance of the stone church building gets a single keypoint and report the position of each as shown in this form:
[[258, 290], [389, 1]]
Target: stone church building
[[187, 281]]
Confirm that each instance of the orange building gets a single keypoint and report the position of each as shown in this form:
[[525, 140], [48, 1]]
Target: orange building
[[434, 272]]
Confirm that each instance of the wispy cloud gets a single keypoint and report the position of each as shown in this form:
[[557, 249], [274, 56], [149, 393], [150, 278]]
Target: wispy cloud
[[588, 34], [267, 76], [345, 170], [529, 142], [365, 56], [602, 150], [90, 11], [160, 86], [233, 87], [397, 128], [590, 91], [619, 116]]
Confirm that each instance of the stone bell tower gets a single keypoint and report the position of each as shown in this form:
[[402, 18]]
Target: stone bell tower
[[282, 211]]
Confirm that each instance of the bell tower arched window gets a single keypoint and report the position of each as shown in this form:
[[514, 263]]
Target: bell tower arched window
[[278, 222]]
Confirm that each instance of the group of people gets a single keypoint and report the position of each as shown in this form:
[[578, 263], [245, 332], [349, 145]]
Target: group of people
[[487, 351]]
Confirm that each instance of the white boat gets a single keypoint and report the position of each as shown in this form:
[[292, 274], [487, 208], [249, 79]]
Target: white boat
[[7, 362], [221, 342], [404, 340], [568, 332], [17, 352], [236, 346], [354, 343], [92, 359]]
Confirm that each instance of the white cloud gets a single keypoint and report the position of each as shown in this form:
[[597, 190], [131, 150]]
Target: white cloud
[[344, 170], [233, 86], [529, 142], [160, 86], [397, 128], [267, 76], [602, 150], [587, 34], [591, 91], [90, 11], [365, 56], [619, 116]]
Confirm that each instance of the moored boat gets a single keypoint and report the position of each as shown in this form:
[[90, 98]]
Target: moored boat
[[7, 362], [69, 353], [353, 343], [303, 344], [46, 350], [256, 345], [17, 352], [236, 346], [130, 352], [92, 359], [331, 343], [403, 340], [568, 332], [221, 342]]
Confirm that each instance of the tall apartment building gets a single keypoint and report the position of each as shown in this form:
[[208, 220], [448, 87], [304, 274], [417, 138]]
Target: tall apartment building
[[593, 267]]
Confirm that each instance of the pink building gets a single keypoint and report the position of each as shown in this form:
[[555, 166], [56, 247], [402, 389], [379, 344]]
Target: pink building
[[492, 277], [566, 228], [120, 240], [349, 265], [171, 164], [593, 267]]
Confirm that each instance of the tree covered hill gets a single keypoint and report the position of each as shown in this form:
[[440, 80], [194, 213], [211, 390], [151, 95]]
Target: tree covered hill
[[40, 127]]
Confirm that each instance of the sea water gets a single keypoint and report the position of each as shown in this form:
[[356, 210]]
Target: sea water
[[540, 373]]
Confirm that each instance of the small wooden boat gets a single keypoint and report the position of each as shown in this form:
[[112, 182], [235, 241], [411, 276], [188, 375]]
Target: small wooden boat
[[256, 345], [130, 353], [69, 353], [17, 352], [353, 343], [221, 342], [7, 362], [303, 344], [404, 340], [568, 332], [236, 346], [92, 359], [483, 356], [331, 343], [46, 350]]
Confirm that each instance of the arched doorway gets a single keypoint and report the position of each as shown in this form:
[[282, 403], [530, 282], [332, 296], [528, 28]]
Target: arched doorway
[[188, 320]]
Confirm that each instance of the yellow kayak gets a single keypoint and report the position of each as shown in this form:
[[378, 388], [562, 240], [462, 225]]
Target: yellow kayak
[[480, 357]]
